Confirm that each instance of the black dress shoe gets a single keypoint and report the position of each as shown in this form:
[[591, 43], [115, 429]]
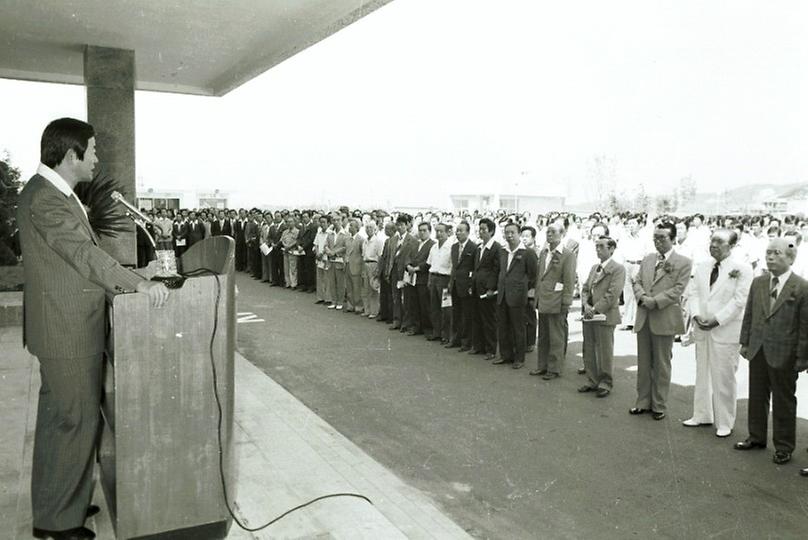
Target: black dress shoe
[[490, 356], [394, 327], [658, 415], [804, 472], [586, 388], [749, 444], [499, 361], [538, 372], [603, 392], [79, 533], [637, 410], [529, 349], [581, 371], [517, 365], [463, 349], [781, 457], [475, 351], [451, 346], [91, 511]]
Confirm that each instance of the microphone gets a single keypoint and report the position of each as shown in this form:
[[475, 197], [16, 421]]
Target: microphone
[[117, 197]]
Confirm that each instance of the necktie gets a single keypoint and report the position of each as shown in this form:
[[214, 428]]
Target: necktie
[[714, 274], [775, 282], [660, 262], [599, 269]]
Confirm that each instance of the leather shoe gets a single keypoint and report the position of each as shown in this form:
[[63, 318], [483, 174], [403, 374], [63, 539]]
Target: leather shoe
[[78, 533], [723, 432], [586, 388], [463, 349], [690, 422], [518, 365], [475, 351], [538, 372], [490, 356], [91, 511], [658, 415], [581, 371], [394, 327], [781, 457], [451, 346], [603, 392], [498, 361], [804, 472], [637, 410], [529, 349], [549, 376], [749, 444]]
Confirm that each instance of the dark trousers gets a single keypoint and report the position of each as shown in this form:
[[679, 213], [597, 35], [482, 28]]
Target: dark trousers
[[462, 315], [530, 322], [276, 267], [257, 262], [385, 300], [511, 333], [65, 441], [441, 317], [397, 303], [484, 326], [424, 309], [241, 255], [411, 316], [781, 385], [309, 272], [552, 341]]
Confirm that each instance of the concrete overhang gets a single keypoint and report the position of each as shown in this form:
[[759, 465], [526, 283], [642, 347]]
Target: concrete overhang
[[203, 47]]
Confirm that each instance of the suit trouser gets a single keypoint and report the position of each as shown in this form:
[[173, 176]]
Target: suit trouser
[[336, 282], [424, 309], [385, 300], [629, 301], [265, 267], [653, 369], [781, 384], [598, 352], [241, 255], [276, 264], [484, 325], [716, 392], [353, 290], [397, 303], [462, 319], [65, 441], [309, 267], [441, 317], [250, 261], [552, 341], [322, 285], [411, 317], [370, 296], [511, 333], [258, 263], [290, 269], [530, 322]]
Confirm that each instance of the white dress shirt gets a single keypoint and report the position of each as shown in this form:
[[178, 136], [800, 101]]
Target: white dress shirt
[[512, 253], [559, 249], [59, 183], [440, 258]]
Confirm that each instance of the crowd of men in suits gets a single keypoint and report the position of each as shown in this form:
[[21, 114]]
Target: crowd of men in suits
[[501, 286]]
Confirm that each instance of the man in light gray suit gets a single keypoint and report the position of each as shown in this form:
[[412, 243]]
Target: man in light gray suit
[[67, 277], [658, 289], [600, 295]]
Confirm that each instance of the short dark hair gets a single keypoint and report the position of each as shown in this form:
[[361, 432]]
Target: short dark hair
[[62, 135], [489, 224], [610, 242], [403, 218], [532, 230], [425, 224], [466, 223], [670, 227]]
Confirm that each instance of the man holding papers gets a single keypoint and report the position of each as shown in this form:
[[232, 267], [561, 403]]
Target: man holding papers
[[600, 305]]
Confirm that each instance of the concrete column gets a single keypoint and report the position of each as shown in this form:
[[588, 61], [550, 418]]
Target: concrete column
[[109, 75]]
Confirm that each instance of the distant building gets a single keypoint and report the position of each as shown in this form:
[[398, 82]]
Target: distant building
[[535, 204], [175, 199]]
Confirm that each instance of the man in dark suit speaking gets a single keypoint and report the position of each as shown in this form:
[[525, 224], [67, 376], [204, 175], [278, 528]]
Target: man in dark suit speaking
[[66, 278]]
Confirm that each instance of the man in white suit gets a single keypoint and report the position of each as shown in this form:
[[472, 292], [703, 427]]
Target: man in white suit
[[717, 300]]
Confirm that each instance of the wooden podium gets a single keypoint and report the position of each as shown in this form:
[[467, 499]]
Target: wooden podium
[[159, 451]]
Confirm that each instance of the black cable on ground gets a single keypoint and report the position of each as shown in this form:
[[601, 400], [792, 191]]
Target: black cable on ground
[[206, 271]]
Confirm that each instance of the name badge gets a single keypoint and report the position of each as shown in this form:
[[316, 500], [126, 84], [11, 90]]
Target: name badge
[[558, 287]]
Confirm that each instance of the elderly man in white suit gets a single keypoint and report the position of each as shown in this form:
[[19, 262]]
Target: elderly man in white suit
[[717, 300]]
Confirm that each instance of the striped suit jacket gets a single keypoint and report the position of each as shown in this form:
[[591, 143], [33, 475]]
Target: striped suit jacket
[[66, 275]]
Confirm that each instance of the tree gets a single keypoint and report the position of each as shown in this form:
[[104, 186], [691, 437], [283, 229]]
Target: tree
[[687, 189], [603, 179], [9, 190], [642, 201], [665, 204]]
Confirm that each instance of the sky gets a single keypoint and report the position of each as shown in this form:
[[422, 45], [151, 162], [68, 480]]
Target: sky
[[424, 98]]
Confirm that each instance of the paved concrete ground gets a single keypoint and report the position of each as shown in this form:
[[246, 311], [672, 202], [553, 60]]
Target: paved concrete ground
[[287, 455], [510, 456]]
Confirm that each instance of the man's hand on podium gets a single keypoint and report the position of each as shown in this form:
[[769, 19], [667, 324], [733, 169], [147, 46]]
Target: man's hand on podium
[[158, 293]]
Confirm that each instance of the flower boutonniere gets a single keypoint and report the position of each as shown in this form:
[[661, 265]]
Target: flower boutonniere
[[554, 258], [518, 257], [791, 299], [667, 267], [734, 274]]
